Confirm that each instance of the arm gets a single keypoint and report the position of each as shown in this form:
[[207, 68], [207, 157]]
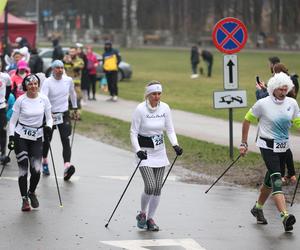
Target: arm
[[48, 114], [73, 95], [14, 118], [170, 128], [134, 130]]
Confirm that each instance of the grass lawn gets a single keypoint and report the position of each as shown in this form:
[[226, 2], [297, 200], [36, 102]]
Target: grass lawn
[[172, 68]]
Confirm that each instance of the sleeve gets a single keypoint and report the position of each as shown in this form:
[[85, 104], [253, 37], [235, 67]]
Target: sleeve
[[119, 58], [296, 116], [48, 114], [14, 118], [45, 88], [170, 128], [256, 109], [73, 95], [134, 129]]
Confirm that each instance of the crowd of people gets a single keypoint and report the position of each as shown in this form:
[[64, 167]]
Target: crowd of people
[[35, 105]]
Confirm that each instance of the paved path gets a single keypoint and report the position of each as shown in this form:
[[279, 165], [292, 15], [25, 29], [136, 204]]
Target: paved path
[[189, 124], [188, 218]]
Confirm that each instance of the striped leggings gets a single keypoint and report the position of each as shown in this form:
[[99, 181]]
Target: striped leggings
[[153, 178]]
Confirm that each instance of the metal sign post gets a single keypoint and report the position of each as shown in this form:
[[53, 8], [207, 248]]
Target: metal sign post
[[229, 37]]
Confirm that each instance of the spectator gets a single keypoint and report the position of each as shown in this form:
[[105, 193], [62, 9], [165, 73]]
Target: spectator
[[194, 61], [35, 62], [92, 71], [58, 53], [207, 57], [111, 60], [84, 73], [17, 78]]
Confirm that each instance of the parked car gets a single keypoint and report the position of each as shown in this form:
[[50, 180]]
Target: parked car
[[125, 71]]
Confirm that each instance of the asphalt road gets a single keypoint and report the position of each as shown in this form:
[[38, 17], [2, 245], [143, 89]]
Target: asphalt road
[[188, 218]]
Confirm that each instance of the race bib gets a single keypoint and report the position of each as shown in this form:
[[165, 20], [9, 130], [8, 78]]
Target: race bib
[[280, 146], [158, 141], [57, 118], [29, 133]]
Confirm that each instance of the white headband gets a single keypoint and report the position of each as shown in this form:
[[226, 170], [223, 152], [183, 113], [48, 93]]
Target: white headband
[[153, 88]]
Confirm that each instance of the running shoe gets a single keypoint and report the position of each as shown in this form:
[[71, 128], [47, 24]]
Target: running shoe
[[69, 171], [25, 205], [141, 220], [151, 226], [288, 222], [46, 169], [259, 215], [33, 200]]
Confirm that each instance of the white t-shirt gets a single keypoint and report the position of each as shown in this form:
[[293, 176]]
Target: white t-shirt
[[30, 112], [4, 82], [152, 123], [58, 92], [274, 118]]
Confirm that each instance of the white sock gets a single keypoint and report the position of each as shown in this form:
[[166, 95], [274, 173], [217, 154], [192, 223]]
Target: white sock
[[153, 204], [145, 201]]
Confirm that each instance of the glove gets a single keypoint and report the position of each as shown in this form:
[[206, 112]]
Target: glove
[[178, 150], [11, 143], [142, 155], [47, 133]]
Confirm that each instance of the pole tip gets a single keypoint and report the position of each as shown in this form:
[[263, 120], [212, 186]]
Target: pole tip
[[61, 206], [106, 225]]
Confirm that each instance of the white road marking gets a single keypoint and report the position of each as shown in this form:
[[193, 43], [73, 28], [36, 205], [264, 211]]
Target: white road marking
[[125, 178], [188, 244]]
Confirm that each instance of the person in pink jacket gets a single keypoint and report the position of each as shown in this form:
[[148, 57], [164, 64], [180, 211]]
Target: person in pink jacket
[[17, 78], [92, 71]]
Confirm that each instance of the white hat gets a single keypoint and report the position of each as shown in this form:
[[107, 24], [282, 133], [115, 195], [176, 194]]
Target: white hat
[[18, 39], [279, 80]]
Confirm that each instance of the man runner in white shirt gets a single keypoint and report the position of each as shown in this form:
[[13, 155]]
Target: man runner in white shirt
[[276, 113], [58, 88]]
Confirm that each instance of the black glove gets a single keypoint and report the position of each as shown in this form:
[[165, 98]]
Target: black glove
[[47, 133], [11, 143], [178, 150], [142, 155]]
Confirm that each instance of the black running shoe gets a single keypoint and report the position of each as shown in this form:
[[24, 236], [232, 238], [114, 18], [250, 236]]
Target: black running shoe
[[69, 172], [259, 215], [33, 200], [151, 226], [288, 222], [25, 205]]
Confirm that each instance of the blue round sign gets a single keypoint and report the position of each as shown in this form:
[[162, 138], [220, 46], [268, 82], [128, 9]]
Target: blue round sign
[[230, 35]]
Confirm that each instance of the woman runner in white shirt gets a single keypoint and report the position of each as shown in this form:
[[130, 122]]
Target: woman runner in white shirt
[[149, 121], [26, 135]]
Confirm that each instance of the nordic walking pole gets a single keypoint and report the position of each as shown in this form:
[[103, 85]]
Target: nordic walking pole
[[4, 162], [55, 175], [169, 171], [294, 191], [73, 134], [123, 193], [223, 173]]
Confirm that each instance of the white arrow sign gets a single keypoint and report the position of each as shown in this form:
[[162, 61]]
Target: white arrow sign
[[230, 72], [230, 99]]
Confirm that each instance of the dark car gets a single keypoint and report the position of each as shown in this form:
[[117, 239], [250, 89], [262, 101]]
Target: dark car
[[125, 70]]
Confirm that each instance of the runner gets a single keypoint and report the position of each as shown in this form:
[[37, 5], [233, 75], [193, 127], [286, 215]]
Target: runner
[[149, 120], [4, 94], [25, 136], [275, 113], [58, 87]]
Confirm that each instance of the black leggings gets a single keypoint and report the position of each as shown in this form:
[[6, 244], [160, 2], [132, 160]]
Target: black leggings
[[65, 130], [28, 153], [92, 83], [3, 123]]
